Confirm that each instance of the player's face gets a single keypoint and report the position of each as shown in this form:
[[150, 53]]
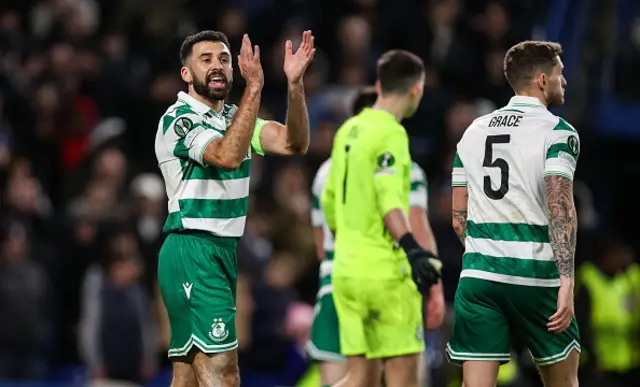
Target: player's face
[[211, 70], [555, 86], [416, 96]]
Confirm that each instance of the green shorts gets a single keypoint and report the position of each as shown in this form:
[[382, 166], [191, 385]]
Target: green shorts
[[379, 318], [197, 275], [324, 344], [488, 315]]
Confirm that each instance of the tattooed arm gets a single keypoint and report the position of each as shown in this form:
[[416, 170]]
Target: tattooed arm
[[459, 211], [563, 224]]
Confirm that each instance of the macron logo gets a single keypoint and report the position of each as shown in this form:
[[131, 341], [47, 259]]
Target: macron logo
[[187, 289]]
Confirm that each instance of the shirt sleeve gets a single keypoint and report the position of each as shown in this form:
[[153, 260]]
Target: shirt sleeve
[[562, 151], [256, 145], [458, 175], [317, 216], [418, 195], [188, 136], [328, 201], [388, 177]]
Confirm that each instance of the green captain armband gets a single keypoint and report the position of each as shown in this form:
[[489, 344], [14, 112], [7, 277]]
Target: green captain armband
[[256, 145]]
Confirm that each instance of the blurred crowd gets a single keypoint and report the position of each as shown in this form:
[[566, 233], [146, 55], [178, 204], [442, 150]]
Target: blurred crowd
[[82, 86]]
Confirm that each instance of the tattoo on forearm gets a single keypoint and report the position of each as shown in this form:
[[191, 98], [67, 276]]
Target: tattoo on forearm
[[297, 119], [460, 224], [563, 223], [459, 215]]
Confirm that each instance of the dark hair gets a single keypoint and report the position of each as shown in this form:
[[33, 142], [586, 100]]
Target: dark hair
[[202, 36], [398, 71], [524, 59], [365, 97]]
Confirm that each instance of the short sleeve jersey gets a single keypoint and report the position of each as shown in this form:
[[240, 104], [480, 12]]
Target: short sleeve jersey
[[502, 159], [370, 175], [202, 197]]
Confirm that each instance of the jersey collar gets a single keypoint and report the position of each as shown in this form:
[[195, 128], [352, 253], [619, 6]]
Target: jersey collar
[[196, 105], [379, 113], [524, 101]]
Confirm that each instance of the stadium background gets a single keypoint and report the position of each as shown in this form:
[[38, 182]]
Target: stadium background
[[84, 82]]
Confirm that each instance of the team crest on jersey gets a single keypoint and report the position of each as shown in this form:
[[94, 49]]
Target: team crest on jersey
[[574, 145], [182, 126], [219, 330]]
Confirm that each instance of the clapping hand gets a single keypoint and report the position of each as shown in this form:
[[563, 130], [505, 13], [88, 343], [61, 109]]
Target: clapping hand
[[295, 64], [249, 64]]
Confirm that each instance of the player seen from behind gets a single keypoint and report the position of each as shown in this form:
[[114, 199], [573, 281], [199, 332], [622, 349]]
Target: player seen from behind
[[324, 345], [366, 206], [204, 148], [513, 211]]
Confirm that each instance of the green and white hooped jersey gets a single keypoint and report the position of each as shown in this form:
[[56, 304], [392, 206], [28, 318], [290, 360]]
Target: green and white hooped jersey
[[502, 159], [418, 196], [202, 197]]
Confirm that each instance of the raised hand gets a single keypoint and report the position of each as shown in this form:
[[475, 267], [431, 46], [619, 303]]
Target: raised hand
[[295, 64], [249, 64]]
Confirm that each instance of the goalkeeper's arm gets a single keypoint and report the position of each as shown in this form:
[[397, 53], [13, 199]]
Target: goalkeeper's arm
[[390, 196], [425, 266]]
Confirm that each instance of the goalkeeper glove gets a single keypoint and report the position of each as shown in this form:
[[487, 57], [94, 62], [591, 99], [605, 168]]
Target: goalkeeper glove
[[426, 268]]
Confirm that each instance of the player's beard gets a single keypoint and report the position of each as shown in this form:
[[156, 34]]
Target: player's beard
[[215, 94], [555, 100]]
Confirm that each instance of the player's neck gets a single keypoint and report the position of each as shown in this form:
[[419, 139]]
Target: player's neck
[[216, 105], [396, 106], [535, 94]]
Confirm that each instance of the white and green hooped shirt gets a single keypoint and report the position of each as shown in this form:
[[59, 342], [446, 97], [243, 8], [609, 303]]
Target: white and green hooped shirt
[[502, 159], [202, 197]]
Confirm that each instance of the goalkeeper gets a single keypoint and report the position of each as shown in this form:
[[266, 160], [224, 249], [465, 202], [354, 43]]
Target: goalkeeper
[[379, 269]]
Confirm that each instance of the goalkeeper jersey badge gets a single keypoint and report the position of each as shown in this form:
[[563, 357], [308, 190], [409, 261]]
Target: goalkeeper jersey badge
[[386, 160], [219, 330], [385, 163]]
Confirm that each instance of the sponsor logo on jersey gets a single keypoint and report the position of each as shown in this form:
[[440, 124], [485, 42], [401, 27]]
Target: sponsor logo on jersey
[[191, 136], [219, 330], [567, 157], [182, 126], [187, 289]]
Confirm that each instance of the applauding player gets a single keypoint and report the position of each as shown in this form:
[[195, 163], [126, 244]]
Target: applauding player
[[204, 148]]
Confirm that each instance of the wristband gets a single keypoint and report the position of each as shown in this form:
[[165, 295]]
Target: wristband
[[408, 242]]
